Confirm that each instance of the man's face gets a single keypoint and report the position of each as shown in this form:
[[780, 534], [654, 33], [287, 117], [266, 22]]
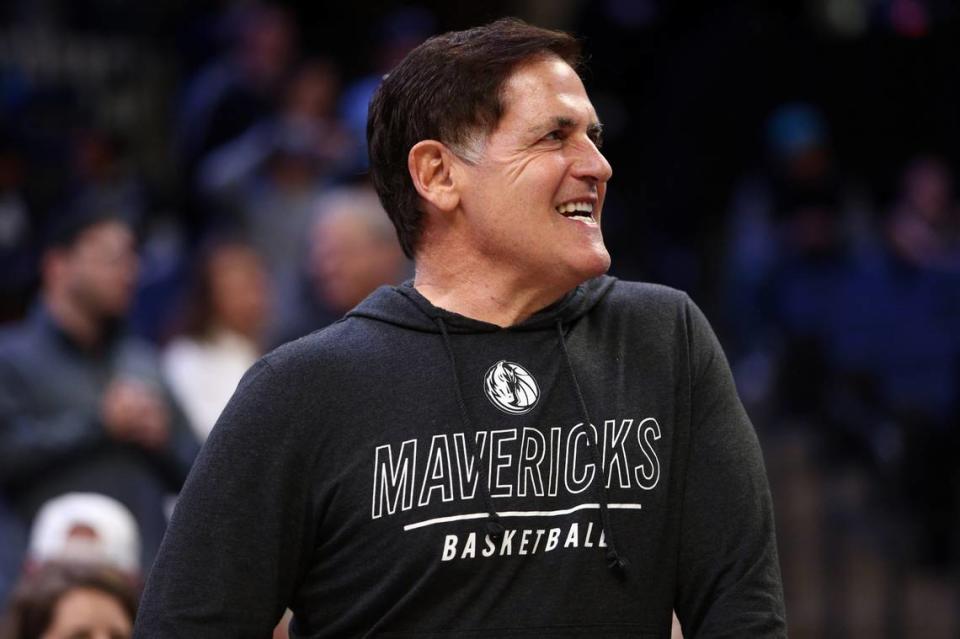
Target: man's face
[[101, 269], [348, 261], [534, 197]]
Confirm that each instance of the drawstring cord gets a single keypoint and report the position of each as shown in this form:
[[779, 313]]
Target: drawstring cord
[[614, 559], [494, 527]]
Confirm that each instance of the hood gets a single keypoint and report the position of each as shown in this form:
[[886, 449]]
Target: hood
[[404, 306]]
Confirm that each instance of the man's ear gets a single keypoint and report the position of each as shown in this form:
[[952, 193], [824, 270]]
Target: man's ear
[[431, 167]]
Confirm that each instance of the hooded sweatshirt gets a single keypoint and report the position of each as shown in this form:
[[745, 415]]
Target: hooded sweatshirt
[[410, 472]]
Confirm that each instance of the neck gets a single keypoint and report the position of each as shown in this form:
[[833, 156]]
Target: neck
[[80, 326], [482, 292]]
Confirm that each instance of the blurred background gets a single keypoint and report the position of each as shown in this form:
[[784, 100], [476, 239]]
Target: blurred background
[[791, 165]]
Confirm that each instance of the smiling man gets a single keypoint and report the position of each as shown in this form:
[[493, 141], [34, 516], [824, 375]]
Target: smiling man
[[511, 444]]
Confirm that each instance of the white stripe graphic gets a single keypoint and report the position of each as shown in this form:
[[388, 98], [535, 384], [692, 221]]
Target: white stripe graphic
[[520, 513]]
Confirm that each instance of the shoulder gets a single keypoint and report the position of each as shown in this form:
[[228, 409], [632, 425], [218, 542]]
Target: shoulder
[[20, 342], [627, 292], [291, 388], [646, 302], [13, 336], [343, 344], [663, 314], [331, 358]]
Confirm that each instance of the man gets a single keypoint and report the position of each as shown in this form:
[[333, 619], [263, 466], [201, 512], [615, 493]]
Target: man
[[512, 445], [82, 407], [351, 250]]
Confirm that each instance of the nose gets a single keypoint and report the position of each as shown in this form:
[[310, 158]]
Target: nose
[[590, 164]]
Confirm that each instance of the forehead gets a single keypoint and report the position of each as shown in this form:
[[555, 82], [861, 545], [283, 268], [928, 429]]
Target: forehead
[[106, 231], [543, 89]]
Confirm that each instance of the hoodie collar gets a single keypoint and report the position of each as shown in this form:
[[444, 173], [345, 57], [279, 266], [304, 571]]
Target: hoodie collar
[[404, 306]]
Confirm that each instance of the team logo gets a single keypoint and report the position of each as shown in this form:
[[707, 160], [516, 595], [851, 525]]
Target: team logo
[[511, 388]]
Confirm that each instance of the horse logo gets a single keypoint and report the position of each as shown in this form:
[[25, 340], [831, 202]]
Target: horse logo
[[511, 388]]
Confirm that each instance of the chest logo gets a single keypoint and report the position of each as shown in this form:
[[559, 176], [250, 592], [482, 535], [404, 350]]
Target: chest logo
[[511, 388]]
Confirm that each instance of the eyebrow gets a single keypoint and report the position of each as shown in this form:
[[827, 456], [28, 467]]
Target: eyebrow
[[594, 129]]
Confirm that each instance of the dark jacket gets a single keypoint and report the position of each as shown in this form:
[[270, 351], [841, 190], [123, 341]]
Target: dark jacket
[[411, 472], [52, 440]]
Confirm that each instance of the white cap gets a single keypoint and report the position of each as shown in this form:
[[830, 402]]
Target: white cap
[[86, 527]]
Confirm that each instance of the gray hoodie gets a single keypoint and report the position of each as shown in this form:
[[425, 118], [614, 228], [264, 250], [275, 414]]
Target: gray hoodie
[[409, 471]]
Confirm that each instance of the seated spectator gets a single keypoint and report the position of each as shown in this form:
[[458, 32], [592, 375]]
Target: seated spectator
[[68, 601], [232, 91], [352, 249], [900, 350], [85, 528], [237, 87], [925, 221], [82, 405], [800, 171], [804, 299], [222, 331], [102, 176], [397, 33], [867, 349], [268, 180]]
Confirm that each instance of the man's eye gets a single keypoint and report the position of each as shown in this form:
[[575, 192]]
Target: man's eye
[[554, 135]]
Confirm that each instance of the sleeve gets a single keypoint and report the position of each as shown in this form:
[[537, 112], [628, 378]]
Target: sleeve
[[242, 533], [32, 441], [729, 582]]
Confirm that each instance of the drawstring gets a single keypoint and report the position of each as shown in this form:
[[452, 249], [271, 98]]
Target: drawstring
[[614, 559], [494, 528]]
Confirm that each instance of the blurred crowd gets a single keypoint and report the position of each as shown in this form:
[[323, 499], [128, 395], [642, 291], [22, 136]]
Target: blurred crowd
[[163, 223], [842, 319], [133, 302]]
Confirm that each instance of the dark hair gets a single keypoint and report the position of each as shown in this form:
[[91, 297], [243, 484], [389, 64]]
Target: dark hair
[[197, 313], [448, 89], [36, 596], [65, 228]]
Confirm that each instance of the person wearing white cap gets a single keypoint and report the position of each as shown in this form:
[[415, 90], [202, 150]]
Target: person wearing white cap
[[86, 528]]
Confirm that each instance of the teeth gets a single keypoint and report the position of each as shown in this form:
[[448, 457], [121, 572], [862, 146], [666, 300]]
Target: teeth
[[575, 207]]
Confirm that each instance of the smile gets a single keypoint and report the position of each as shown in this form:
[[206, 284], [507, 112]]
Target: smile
[[579, 211]]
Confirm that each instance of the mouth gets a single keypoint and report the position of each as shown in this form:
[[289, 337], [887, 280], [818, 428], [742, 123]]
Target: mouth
[[580, 211]]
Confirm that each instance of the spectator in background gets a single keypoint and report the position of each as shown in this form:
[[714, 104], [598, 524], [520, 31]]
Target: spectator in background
[[238, 88], [232, 92], [925, 221], [800, 168], [67, 601], [899, 354], [85, 528], [352, 249], [222, 331], [82, 405], [103, 179], [803, 305], [792, 212], [397, 34], [268, 180], [865, 345]]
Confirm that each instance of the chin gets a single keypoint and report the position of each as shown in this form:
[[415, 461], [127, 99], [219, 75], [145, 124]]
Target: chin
[[601, 266], [592, 265]]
